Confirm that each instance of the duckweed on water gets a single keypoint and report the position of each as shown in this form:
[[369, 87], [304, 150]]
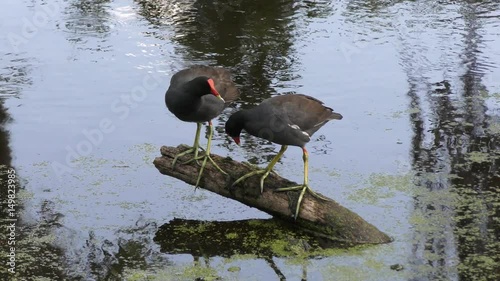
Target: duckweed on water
[[243, 239], [403, 113], [35, 242], [197, 271], [397, 114], [145, 147], [234, 269], [232, 235], [345, 272], [89, 161], [413, 110], [41, 164], [179, 273], [381, 186], [478, 157], [494, 128], [143, 275], [148, 151], [393, 182], [334, 174]]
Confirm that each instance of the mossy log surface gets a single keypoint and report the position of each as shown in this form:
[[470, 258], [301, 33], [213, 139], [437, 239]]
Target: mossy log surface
[[325, 218]]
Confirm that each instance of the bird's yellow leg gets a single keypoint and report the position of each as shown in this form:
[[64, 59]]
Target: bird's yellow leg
[[194, 149], [265, 172], [206, 156], [304, 187]]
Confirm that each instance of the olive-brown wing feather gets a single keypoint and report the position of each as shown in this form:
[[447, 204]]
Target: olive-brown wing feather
[[304, 111]]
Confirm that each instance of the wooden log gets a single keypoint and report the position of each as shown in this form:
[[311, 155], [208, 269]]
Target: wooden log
[[324, 218]]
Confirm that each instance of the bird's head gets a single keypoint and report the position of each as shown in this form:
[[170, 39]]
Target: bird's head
[[203, 85], [234, 125]]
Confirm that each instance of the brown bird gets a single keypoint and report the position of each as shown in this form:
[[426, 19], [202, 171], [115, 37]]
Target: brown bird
[[199, 94], [286, 120]]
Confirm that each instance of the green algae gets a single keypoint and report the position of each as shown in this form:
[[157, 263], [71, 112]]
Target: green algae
[[494, 128], [179, 272], [239, 257], [23, 194], [141, 276], [234, 269], [400, 113], [152, 275], [37, 253], [397, 114], [128, 205], [334, 174], [89, 161], [456, 211], [147, 150], [232, 235], [262, 238], [145, 147], [32, 242], [478, 157], [393, 182], [41, 164], [197, 271], [381, 186], [413, 110]]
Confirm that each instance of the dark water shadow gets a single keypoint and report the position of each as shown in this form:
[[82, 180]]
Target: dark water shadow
[[24, 245], [263, 239], [40, 245], [252, 38], [5, 151]]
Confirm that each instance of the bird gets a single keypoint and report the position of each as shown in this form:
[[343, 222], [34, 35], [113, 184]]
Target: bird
[[198, 94], [289, 119]]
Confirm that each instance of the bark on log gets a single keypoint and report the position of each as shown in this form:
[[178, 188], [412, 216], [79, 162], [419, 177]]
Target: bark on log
[[327, 219]]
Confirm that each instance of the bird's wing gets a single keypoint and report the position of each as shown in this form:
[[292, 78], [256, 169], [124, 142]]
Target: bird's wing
[[306, 112]]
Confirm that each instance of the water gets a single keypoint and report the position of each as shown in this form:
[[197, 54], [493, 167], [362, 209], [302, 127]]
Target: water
[[417, 153]]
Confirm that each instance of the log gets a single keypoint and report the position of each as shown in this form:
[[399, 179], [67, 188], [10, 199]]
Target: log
[[324, 218]]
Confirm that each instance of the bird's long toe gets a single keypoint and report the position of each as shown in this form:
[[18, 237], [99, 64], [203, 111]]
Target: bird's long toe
[[266, 173], [185, 152], [241, 179], [216, 166], [303, 188]]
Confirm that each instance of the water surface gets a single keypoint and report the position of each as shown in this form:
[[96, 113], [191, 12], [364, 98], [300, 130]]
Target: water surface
[[417, 154]]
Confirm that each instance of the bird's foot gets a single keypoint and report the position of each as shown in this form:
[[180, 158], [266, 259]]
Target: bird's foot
[[195, 157], [253, 173], [190, 150], [205, 157], [303, 188]]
